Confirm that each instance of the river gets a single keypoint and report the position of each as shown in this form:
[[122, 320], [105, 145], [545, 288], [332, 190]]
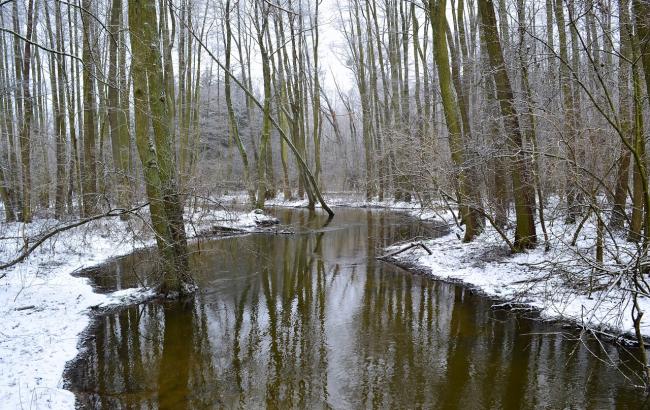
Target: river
[[313, 320]]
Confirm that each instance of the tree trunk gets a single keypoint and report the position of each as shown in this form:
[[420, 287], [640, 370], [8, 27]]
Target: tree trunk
[[262, 173], [7, 180], [530, 132], [120, 164], [56, 85], [89, 176], [468, 195], [365, 109], [25, 134], [316, 117], [525, 236], [157, 155], [232, 120], [625, 117]]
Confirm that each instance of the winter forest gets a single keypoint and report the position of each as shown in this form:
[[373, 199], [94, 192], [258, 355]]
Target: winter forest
[[324, 203]]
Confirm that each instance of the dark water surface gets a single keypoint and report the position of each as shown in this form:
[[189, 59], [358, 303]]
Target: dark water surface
[[314, 321]]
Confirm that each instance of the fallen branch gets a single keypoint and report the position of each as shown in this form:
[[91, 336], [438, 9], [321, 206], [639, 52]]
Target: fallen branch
[[514, 306], [32, 248], [412, 245]]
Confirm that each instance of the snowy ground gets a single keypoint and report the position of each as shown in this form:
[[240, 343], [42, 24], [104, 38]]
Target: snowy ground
[[349, 200], [44, 308], [560, 282]]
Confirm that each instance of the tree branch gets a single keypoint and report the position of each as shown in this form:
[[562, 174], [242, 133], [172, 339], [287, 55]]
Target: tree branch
[[42, 47], [32, 248]]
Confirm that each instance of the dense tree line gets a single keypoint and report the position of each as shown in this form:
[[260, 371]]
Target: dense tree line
[[494, 108], [515, 109], [101, 107]]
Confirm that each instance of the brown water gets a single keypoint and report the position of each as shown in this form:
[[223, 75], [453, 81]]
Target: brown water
[[314, 321]]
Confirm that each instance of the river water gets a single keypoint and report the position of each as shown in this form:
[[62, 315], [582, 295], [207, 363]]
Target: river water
[[313, 320]]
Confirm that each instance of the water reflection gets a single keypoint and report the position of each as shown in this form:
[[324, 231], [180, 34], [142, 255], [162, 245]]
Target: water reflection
[[314, 321]]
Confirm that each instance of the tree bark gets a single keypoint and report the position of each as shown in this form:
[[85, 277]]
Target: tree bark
[[157, 154], [120, 156], [232, 120], [625, 117], [28, 112]]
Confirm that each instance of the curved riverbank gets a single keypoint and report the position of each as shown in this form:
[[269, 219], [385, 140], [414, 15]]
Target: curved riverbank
[[45, 303], [527, 282], [315, 318]]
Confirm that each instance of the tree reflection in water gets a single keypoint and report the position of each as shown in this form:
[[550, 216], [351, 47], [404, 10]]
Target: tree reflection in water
[[314, 321]]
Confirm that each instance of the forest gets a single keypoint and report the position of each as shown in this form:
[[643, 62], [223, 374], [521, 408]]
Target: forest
[[517, 128]]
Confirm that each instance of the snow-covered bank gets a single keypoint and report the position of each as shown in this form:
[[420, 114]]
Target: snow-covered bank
[[44, 308], [413, 208], [344, 199], [564, 283]]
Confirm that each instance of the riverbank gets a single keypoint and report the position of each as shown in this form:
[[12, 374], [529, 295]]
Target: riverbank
[[562, 283], [45, 308], [413, 208]]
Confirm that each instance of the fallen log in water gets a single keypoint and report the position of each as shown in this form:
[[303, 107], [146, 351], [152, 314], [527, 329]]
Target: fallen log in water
[[406, 248]]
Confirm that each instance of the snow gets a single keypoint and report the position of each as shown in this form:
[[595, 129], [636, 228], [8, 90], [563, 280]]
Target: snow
[[548, 281], [354, 201], [44, 308], [351, 200]]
